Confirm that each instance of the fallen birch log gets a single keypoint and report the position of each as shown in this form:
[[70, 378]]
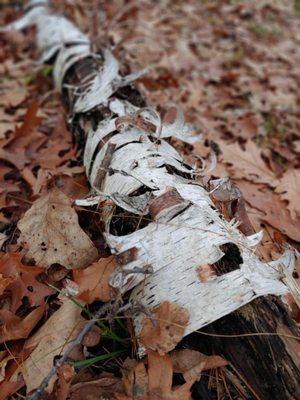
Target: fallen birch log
[[132, 167]]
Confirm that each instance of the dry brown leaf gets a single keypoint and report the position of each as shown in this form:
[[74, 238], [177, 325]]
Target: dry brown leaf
[[65, 375], [10, 360], [6, 126], [135, 380], [92, 337], [8, 388], [75, 187], [274, 209], [247, 164], [18, 159], [52, 339], [191, 363], [289, 189], [93, 281], [14, 327], [165, 328], [20, 280], [50, 231], [103, 387], [12, 93], [31, 121], [245, 126], [154, 384]]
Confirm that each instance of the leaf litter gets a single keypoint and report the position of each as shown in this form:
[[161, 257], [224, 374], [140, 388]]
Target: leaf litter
[[234, 80]]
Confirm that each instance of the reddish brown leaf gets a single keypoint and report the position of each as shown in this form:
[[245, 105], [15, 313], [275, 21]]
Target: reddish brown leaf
[[274, 210], [14, 327], [20, 280], [289, 189], [165, 329], [93, 281], [154, 384]]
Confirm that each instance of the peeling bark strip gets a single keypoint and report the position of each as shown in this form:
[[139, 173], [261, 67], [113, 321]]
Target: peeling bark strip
[[126, 155]]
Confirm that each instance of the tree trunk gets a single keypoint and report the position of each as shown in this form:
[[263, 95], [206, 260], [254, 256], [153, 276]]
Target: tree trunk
[[166, 224]]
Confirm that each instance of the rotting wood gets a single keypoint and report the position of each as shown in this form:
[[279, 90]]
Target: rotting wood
[[186, 231]]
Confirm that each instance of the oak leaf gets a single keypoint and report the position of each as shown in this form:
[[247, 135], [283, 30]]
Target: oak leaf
[[93, 281], [289, 189], [20, 280], [247, 163], [165, 328], [274, 210], [51, 232]]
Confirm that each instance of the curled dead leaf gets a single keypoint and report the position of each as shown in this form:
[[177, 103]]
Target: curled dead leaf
[[92, 337], [165, 328]]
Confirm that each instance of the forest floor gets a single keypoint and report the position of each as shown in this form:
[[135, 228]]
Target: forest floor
[[232, 67]]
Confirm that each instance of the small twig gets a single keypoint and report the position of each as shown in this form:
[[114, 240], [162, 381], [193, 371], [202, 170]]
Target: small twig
[[105, 308]]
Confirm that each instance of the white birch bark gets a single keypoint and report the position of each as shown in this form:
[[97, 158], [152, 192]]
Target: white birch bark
[[186, 231]]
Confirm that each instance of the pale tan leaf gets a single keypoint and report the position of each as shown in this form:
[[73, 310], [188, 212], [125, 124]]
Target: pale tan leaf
[[50, 231], [247, 163], [289, 189], [52, 339], [165, 329]]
